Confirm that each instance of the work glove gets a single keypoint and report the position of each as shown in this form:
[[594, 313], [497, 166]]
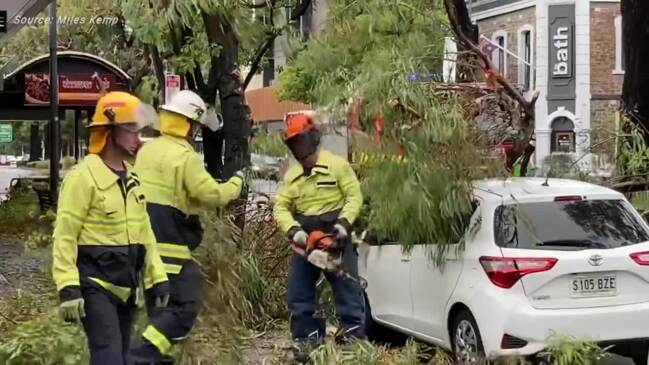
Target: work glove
[[340, 231], [245, 176], [162, 300], [342, 228], [72, 310], [300, 237]]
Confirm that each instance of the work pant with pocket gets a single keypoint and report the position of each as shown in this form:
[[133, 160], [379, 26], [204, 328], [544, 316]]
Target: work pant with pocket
[[173, 323], [108, 324], [348, 297]]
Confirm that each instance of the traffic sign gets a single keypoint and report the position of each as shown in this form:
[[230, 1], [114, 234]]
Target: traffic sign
[[6, 133], [172, 86]]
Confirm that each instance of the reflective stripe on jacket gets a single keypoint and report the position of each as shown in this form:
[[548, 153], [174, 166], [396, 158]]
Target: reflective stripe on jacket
[[331, 186], [177, 186], [102, 234]]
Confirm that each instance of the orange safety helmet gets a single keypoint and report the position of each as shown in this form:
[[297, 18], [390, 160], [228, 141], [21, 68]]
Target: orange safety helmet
[[301, 134], [297, 124]]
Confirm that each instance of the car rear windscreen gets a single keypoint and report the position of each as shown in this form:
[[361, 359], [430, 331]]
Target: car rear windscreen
[[571, 225]]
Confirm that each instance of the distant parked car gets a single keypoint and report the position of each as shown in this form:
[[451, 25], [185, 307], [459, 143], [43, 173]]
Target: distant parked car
[[4, 161], [567, 257], [265, 167], [12, 160]]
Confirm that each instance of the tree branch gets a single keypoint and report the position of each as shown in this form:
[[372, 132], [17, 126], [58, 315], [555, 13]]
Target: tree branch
[[268, 43], [260, 5], [259, 55], [452, 11], [158, 67]]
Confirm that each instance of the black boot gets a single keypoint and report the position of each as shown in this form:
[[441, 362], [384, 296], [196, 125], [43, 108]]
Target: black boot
[[349, 336], [302, 351]]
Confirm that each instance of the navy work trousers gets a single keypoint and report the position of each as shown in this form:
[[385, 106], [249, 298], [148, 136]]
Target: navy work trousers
[[175, 321], [348, 296], [108, 324]]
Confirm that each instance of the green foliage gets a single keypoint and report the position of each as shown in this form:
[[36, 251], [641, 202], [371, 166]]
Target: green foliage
[[270, 144], [565, 350], [21, 307], [433, 184], [45, 340], [37, 336], [41, 238], [368, 52], [244, 284], [365, 48], [366, 353], [160, 24], [633, 152], [20, 213], [564, 166]]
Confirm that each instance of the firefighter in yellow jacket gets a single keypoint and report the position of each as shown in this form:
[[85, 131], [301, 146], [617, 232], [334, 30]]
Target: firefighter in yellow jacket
[[177, 187], [103, 242], [321, 193]]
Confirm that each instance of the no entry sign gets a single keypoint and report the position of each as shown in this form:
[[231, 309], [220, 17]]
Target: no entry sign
[[172, 86]]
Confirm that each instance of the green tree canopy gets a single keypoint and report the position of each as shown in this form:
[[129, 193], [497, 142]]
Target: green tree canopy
[[384, 55]]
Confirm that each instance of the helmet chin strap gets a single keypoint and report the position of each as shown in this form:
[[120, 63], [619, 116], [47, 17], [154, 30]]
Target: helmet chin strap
[[124, 149]]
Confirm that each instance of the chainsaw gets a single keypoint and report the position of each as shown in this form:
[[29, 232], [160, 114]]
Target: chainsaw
[[323, 250]]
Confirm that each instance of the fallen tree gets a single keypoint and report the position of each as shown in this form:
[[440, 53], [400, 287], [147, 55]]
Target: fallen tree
[[372, 62]]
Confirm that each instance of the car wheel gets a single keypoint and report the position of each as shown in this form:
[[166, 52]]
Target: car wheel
[[467, 343], [379, 333]]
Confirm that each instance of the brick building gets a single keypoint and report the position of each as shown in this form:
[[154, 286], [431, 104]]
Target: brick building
[[574, 51]]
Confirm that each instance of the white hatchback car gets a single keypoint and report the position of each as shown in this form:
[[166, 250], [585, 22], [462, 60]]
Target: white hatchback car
[[566, 257]]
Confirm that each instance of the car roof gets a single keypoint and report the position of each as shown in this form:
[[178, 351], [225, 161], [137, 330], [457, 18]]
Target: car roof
[[532, 188]]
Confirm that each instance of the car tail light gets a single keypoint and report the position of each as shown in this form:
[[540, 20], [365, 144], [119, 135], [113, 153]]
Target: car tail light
[[641, 258], [567, 198], [506, 271]]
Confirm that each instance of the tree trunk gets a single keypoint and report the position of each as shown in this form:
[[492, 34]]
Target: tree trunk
[[635, 35], [226, 76], [158, 67], [466, 61], [461, 25], [213, 151], [236, 114], [34, 142]]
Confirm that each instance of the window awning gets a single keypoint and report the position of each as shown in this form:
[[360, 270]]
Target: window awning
[[24, 8]]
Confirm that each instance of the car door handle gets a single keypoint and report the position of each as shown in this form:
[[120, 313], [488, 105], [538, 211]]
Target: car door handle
[[405, 259]]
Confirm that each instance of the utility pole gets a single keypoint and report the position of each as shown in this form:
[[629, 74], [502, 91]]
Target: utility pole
[[54, 104]]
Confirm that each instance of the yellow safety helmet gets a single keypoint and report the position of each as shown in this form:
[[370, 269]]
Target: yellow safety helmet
[[117, 108]]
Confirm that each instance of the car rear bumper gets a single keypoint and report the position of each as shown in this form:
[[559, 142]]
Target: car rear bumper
[[605, 325]]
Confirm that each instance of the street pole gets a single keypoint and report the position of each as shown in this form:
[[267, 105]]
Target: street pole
[[54, 104], [75, 134]]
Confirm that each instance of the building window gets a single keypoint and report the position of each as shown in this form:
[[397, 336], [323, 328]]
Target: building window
[[499, 55], [563, 135], [619, 46], [526, 61]]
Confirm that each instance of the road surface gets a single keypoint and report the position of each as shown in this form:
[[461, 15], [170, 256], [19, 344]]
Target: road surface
[[6, 174]]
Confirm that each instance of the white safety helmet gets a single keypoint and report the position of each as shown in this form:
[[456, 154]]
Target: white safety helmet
[[187, 103]]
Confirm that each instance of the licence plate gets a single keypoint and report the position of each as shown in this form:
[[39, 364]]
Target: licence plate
[[593, 286]]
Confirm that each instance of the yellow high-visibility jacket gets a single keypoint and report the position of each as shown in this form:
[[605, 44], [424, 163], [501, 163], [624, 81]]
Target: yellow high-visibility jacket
[[177, 186], [331, 192], [102, 235]]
